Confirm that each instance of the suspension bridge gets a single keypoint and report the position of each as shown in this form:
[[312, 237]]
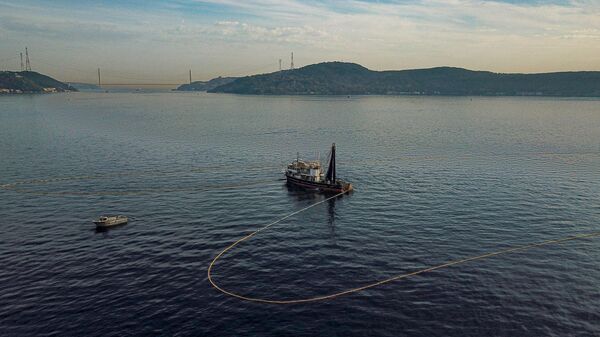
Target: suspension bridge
[[109, 77]]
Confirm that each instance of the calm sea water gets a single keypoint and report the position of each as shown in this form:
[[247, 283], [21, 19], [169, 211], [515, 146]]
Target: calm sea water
[[436, 179]]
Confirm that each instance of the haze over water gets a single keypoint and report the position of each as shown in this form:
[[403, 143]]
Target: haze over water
[[436, 179]]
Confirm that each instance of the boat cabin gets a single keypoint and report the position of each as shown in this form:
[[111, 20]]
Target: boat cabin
[[305, 170]]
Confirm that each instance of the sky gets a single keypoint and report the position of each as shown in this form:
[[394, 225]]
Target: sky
[[159, 41]]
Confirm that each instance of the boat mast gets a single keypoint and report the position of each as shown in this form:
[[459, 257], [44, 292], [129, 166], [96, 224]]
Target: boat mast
[[331, 168]]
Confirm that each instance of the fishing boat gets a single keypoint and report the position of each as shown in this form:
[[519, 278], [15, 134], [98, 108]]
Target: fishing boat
[[309, 175], [109, 221]]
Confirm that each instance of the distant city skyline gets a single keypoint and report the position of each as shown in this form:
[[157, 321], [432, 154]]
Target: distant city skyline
[[159, 41]]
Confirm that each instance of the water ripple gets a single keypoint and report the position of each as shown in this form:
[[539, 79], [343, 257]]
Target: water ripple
[[436, 179]]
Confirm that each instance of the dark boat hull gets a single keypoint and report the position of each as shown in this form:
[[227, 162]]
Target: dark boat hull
[[323, 187]]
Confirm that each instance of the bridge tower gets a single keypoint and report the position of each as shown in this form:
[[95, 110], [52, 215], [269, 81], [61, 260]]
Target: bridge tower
[[27, 64]]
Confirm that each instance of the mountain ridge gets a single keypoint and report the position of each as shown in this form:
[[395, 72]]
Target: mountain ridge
[[341, 78], [206, 85]]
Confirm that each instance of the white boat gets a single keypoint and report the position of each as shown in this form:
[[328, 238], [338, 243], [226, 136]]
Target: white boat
[[109, 221]]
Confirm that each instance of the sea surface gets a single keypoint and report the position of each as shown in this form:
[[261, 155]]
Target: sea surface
[[436, 179]]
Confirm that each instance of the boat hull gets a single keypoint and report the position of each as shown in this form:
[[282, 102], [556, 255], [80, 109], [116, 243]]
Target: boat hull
[[100, 224], [322, 187]]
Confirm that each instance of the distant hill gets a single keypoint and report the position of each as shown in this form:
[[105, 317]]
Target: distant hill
[[338, 78], [84, 86], [30, 82], [206, 85]]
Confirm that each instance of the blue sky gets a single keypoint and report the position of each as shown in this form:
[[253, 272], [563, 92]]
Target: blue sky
[[161, 40]]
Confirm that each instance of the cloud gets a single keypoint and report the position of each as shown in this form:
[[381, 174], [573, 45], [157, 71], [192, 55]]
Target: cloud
[[245, 32], [216, 34], [426, 23], [65, 29]]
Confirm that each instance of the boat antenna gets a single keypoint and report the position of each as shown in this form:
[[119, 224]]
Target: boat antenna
[[297, 156]]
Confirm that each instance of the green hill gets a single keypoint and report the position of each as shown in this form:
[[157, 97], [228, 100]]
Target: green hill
[[338, 78], [206, 85], [30, 82]]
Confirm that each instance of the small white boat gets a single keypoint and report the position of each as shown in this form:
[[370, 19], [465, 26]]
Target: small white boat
[[109, 221]]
